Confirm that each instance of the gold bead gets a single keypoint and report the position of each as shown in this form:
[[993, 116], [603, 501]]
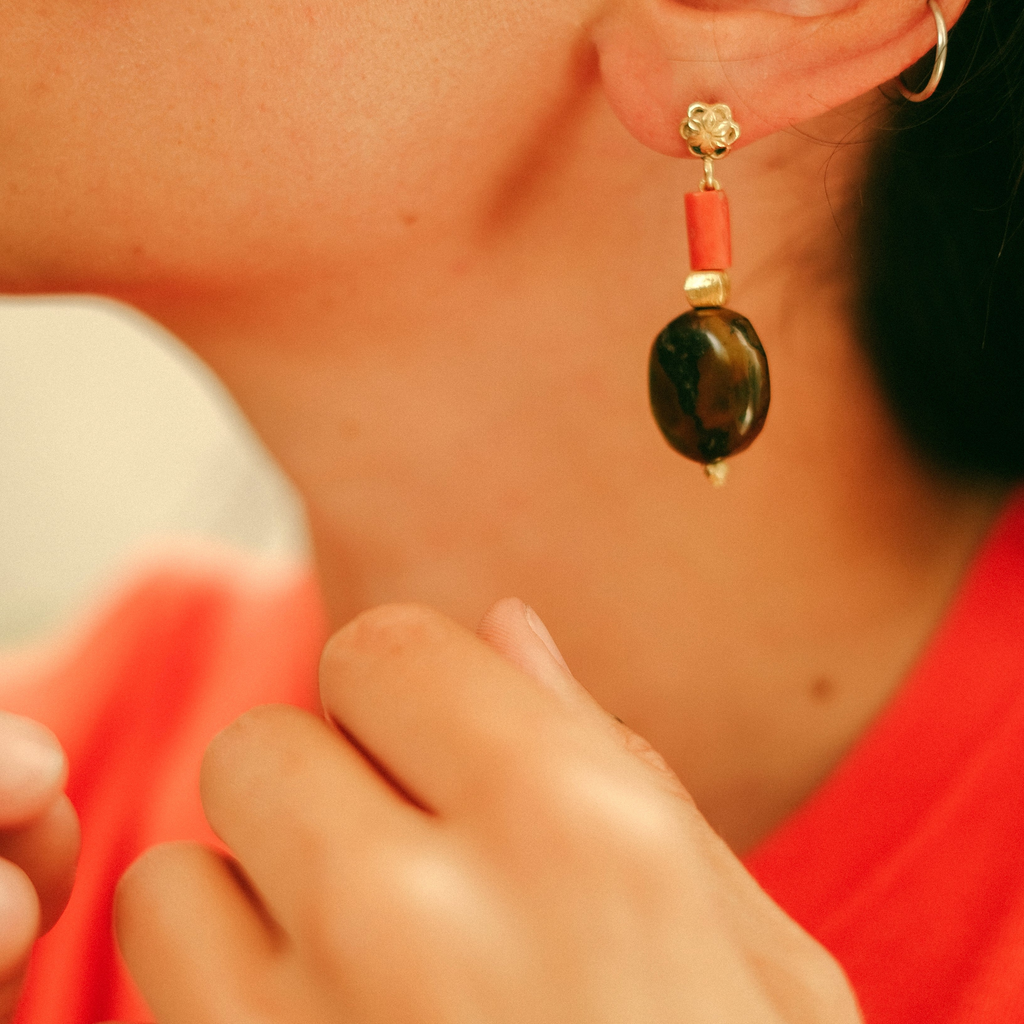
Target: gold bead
[[707, 288]]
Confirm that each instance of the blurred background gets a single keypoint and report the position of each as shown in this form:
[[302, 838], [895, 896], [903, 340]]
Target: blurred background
[[115, 443]]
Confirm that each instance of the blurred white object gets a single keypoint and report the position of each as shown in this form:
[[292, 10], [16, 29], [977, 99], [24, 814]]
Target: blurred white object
[[114, 437]]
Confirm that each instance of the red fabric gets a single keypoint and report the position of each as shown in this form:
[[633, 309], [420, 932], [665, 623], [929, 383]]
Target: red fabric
[[907, 863]]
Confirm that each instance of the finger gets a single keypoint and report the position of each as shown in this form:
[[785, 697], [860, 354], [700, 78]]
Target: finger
[[516, 631], [19, 924], [518, 634], [443, 713], [33, 769], [195, 940], [47, 851], [293, 799]]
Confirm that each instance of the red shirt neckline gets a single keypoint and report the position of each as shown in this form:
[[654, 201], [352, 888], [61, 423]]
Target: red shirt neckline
[[863, 820]]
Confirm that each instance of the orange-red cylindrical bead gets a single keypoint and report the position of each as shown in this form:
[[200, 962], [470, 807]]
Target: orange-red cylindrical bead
[[707, 224]]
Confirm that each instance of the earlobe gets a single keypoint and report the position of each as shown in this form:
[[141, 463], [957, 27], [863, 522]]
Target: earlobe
[[774, 63]]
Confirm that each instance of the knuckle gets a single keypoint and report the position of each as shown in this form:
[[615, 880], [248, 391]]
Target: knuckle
[[256, 723], [388, 629], [623, 814], [251, 733], [599, 818], [155, 899], [145, 876], [155, 864], [408, 897], [430, 886], [646, 833]]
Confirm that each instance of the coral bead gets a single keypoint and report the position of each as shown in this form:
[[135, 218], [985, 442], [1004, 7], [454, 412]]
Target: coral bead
[[707, 227], [709, 384]]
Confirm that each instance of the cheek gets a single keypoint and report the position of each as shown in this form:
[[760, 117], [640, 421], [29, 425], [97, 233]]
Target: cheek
[[167, 141]]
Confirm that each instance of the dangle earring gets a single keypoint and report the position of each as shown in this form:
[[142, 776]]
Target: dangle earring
[[708, 373]]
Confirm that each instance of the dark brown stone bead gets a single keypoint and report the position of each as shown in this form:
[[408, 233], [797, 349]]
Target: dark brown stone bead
[[709, 384]]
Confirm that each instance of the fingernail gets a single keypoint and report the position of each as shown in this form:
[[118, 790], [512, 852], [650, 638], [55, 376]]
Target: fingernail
[[541, 630], [30, 757]]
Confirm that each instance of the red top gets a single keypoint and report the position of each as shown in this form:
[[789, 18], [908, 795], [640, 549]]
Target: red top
[[907, 863]]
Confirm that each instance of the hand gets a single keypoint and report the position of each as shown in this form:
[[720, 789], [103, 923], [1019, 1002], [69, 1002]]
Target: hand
[[473, 840], [38, 846]]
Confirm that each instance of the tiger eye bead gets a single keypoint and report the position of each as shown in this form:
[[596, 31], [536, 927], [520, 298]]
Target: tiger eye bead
[[709, 384]]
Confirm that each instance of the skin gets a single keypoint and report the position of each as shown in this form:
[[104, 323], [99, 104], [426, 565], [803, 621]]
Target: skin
[[455, 903], [39, 843], [426, 247]]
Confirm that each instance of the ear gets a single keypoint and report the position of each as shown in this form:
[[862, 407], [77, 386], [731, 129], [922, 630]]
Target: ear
[[775, 62]]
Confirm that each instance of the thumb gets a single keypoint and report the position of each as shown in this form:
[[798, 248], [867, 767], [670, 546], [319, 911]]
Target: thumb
[[516, 632]]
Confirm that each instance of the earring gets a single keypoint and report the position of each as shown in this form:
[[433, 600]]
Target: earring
[[708, 373], [941, 45]]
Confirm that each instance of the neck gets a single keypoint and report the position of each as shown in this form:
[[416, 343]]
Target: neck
[[476, 425]]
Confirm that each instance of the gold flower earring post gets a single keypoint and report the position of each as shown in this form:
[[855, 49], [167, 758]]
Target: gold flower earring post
[[708, 373]]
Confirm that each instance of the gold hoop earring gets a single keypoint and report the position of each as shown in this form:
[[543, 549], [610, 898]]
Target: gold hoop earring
[[941, 46], [708, 374]]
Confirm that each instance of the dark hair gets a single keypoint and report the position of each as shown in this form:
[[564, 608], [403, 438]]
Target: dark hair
[[942, 254]]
